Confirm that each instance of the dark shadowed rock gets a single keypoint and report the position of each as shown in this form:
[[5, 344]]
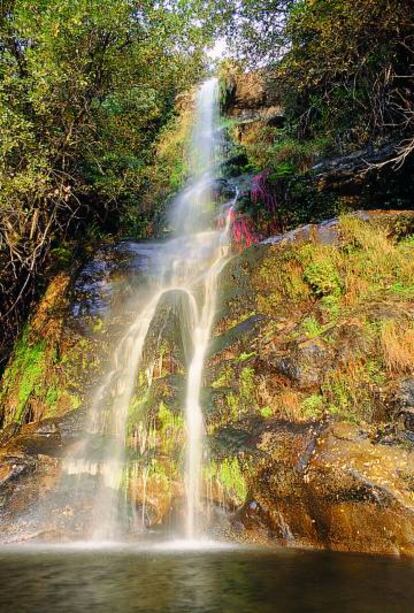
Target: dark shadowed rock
[[404, 394], [305, 364]]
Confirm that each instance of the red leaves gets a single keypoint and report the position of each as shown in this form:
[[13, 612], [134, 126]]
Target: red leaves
[[242, 231], [262, 191]]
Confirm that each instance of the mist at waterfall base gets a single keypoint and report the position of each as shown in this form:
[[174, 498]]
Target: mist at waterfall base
[[185, 270]]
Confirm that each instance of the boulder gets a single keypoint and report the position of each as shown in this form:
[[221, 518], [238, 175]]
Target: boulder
[[304, 364], [329, 486]]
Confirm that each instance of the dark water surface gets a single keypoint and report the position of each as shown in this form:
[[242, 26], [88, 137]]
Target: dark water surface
[[39, 579]]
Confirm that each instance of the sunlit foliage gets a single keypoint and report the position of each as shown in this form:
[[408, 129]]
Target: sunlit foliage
[[85, 86]]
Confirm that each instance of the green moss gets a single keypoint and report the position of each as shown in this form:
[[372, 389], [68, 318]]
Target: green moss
[[229, 475], [404, 291], [158, 472], [25, 374], [266, 412], [75, 401], [247, 384], [224, 379], [52, 396], [135, 410], [348, 393], [242, 399], [234, 405], [311, 327], [98, 325], [407, 241], [279, 282], [312, 407], [323, 278], [169, 422], [243, 357], [331, 307], [171, 431]]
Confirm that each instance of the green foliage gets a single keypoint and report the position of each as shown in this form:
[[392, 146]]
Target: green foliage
[[344, 65], [340, 70], [404, 291], [266, 412], [164, 175], [62, 257], [85, 88], [344, 69]]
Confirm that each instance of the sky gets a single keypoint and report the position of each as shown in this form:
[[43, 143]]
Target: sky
[[219, 49]]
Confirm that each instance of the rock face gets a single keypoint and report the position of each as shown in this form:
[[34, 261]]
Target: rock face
[[253, 96], [328, 485], [308, 397], [316, 401]]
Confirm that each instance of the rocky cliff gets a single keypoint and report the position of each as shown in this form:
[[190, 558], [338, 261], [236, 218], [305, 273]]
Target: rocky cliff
[[308, 390], [308, 398], [314, 383]]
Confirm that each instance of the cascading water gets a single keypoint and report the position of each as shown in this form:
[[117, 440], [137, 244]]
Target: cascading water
[[186, 267]]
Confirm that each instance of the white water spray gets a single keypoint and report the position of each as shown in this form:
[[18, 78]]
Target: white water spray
[[189, 266]]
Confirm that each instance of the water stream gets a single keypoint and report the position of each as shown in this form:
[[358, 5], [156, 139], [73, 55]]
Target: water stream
[[186, 269]]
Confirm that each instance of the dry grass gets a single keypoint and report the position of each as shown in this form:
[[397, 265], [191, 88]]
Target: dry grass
[[363, 235], [289, 405], [279, 283], [371, 261], [349, 390], [397, 342], [366, 265]]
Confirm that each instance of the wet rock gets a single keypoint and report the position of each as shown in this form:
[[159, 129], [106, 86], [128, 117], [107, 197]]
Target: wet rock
[[13, 465], [49, 437], [305, 364], [39, 443], [407, 418], [347, 494], [232, 440], [405, 424], [348, 166], [8, 433], [400, 405], [245, 329], [305, 481], [396, 223], [404, 394], [326, 233], [71, 426]]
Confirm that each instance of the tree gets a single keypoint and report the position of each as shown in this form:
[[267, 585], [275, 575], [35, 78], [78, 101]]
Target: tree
[[85, 85], [344, 67]]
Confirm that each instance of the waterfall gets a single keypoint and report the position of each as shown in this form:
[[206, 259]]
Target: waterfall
[[186, 266]]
